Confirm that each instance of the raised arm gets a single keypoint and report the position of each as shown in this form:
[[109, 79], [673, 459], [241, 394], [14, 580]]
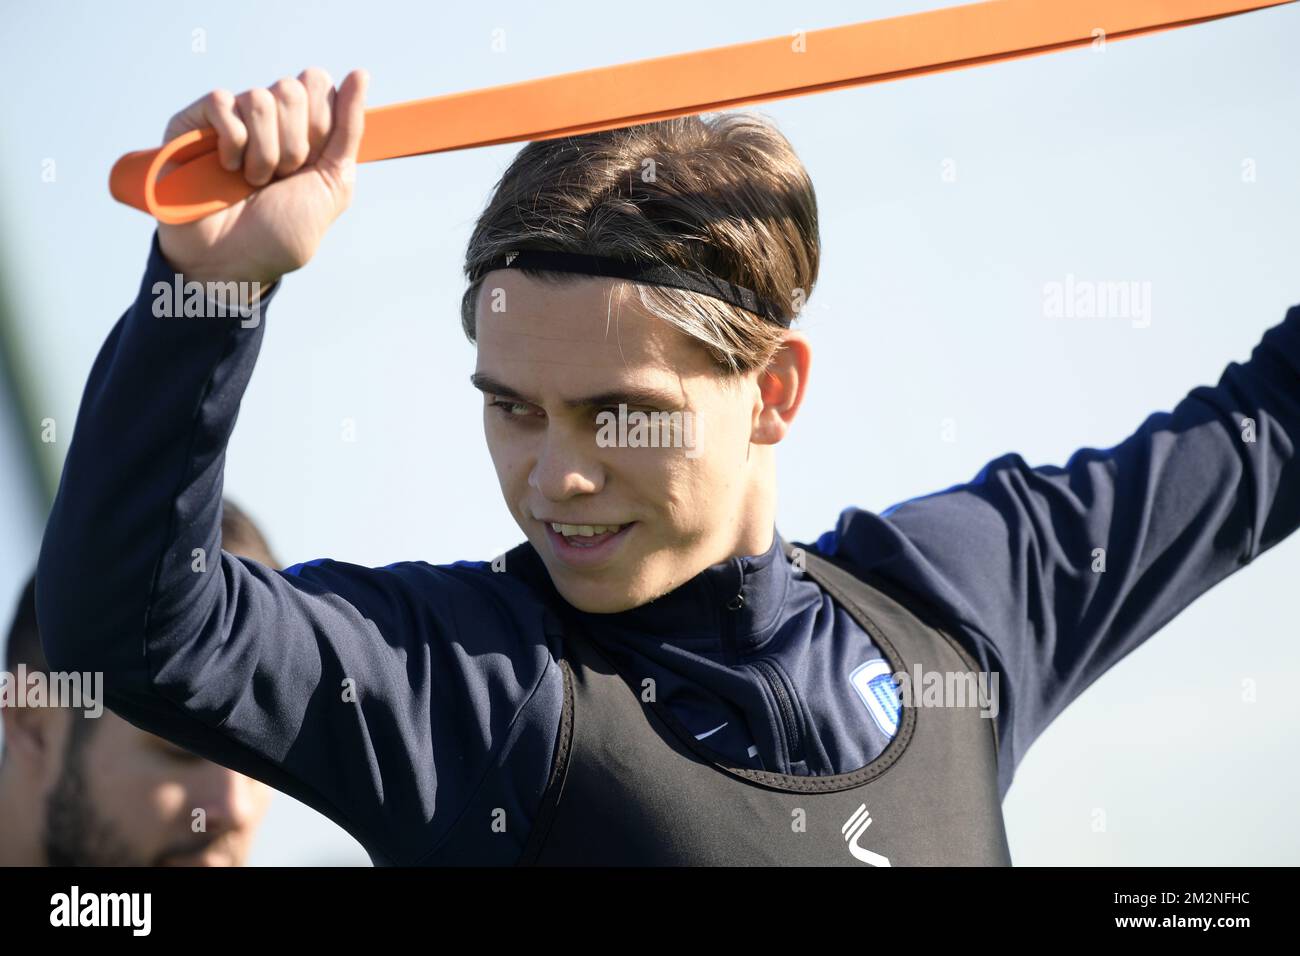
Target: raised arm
[[358, 691], [1054, 574]]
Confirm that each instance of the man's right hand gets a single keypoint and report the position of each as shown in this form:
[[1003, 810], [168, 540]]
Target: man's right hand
[[297, 142]]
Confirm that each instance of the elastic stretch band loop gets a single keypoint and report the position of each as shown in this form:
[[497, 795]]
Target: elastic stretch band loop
[[687, 83], [637, 271]]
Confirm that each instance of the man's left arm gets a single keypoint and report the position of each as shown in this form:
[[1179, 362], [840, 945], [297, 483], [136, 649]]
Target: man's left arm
[[1014, 558]]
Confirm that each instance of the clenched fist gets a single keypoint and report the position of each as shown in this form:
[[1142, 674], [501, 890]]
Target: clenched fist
[[297, 141]]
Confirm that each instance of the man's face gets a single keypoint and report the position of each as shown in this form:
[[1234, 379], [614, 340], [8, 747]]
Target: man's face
[[127, 798], [548, 364]]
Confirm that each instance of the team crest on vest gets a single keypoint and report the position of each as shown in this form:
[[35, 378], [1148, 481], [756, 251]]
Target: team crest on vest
[[875, 685]]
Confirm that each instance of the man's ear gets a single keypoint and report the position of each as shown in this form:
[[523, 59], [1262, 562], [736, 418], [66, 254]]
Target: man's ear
[[35, 738], [781, 387]]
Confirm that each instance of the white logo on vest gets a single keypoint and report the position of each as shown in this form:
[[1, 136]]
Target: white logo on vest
[[854, 828]]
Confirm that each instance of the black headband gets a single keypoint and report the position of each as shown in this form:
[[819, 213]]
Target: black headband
[[638, 271]]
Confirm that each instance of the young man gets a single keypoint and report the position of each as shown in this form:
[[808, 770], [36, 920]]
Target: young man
[[654, 676], [80, 789]]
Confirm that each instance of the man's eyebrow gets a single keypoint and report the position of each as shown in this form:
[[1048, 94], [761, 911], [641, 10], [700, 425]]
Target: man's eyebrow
[[628, 395], [486, 383]]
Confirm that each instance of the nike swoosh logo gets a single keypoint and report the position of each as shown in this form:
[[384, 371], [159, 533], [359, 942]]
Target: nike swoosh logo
[[713, 731]]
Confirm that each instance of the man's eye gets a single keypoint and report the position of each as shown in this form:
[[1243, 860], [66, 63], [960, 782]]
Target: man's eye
[[180, 755], [512, 409]]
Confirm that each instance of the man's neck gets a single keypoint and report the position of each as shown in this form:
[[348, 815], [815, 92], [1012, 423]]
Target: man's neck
[[756, 523]]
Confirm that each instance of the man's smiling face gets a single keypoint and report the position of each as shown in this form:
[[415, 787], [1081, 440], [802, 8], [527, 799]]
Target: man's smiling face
[[549, 363]]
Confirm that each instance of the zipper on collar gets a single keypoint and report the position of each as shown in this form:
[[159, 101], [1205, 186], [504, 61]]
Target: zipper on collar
[[787, 715], [731, 611]]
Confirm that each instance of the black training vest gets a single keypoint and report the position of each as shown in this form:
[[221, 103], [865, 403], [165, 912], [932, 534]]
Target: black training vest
[[630, 785]]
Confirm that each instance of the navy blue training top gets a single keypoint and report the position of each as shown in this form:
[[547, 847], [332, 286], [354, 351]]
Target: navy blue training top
[[388, 698]]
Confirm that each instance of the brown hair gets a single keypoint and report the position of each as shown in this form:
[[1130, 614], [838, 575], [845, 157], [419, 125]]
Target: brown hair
[[240, 535], [723, 194]]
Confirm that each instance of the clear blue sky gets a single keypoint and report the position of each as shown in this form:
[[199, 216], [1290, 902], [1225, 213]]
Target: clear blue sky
[[1117, 165]]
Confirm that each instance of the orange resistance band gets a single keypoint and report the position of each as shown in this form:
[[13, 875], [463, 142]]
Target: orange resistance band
[[663, 87]]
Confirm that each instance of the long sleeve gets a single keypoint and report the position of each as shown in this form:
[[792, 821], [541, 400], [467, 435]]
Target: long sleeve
[[381, 697], [1052, 574]]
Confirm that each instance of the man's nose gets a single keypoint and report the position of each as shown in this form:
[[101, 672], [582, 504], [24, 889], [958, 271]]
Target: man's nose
[[567, 465], [230, 801]]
